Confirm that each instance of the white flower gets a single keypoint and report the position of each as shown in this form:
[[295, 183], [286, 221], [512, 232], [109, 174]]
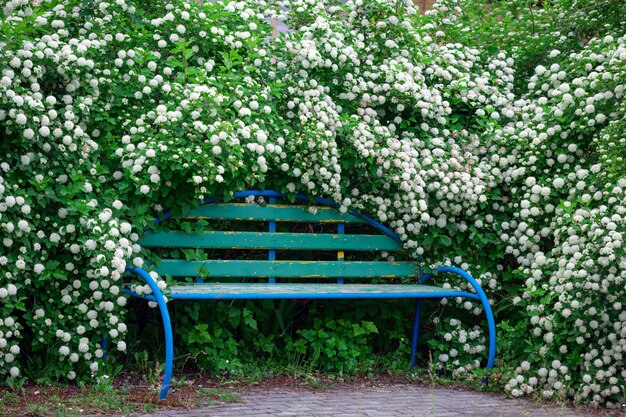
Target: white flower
[[38, 269], [125, 227], [29, 133], [20, 119]]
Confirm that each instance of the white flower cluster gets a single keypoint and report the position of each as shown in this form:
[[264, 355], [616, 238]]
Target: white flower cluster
[[63, 252], [568, 219], [425, 176], [472, 342]]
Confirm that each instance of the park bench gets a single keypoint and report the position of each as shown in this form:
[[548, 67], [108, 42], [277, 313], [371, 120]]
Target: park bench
[[254, 279]]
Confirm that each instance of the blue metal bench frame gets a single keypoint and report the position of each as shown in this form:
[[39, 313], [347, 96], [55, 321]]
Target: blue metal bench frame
[[158, 296]]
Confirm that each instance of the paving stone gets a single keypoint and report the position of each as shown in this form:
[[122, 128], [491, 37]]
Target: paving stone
[[387, 401]]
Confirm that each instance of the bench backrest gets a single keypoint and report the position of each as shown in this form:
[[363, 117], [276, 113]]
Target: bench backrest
[[335, 237]]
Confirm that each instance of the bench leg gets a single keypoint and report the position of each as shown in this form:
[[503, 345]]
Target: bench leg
[[104, 343], [167, 327], [416, 330], [169, 345], [492, 332], [169, 353]]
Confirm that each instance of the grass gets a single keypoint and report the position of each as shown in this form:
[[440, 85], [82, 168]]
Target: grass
[[125, 398], [208, 396]]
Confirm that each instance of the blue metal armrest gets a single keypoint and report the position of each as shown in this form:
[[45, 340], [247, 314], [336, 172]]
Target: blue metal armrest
[[483, 298]]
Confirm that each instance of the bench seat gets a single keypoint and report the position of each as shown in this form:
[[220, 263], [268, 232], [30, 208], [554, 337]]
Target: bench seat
[[259, 291]]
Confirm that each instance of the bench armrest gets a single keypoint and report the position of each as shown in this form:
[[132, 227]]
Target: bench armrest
[[483, 298]]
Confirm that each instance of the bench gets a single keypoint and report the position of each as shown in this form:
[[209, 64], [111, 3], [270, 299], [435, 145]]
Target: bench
[[248, 279]]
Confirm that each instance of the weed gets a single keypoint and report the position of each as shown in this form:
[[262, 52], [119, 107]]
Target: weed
[[207, 396]]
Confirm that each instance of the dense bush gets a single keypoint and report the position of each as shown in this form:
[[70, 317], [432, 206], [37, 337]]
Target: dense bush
[[559, 159], [113, 111], [567, 223]]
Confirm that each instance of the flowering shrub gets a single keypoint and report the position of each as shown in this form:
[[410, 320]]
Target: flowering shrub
[[113, 111], [527, 32], [560, 181], [568, 220]]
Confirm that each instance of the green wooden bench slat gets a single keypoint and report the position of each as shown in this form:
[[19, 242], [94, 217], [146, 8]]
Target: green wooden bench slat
[[266, 240], [286, 269], [251, 289], [275, 212]]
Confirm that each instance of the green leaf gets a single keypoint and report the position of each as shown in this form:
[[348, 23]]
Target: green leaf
[[173, 62], [234, 317], [358, 330], [369, 327], [248, 320]]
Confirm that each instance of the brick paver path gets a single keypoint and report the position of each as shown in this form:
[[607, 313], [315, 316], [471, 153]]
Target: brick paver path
[[388, 401]]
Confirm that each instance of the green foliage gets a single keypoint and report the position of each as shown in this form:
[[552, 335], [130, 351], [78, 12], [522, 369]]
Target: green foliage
[[489, 135], [335, 345], [521, 30], [221, 346], [526, 31]]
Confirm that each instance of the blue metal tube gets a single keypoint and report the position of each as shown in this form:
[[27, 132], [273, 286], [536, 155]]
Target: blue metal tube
[[167, 326], [482, 297], [311, 296], [271, 256], [416, 329], [341, 229], [104, 343]]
